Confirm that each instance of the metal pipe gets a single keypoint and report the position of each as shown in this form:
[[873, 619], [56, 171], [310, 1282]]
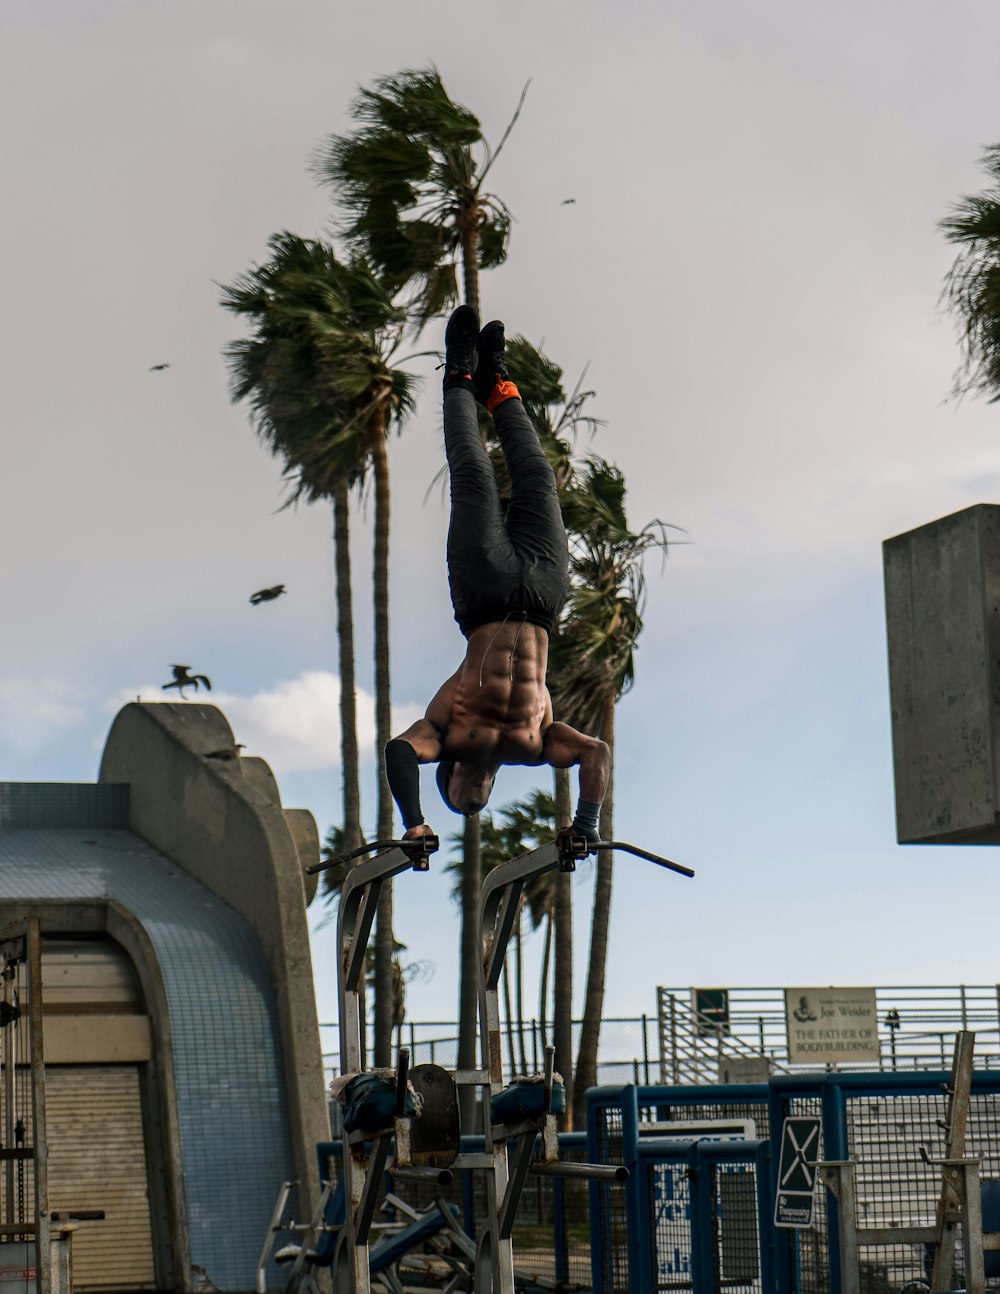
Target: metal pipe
[[440, 1176], [8, 1089], [625, 848], [402, 1072], [589, 1172], [39, 1139]]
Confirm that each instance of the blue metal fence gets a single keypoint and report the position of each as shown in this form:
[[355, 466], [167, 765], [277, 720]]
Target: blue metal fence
[[880, 1121], [697, 1211], [622, 1127]]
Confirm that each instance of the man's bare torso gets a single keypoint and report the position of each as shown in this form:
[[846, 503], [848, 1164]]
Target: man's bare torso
[[496, 707]]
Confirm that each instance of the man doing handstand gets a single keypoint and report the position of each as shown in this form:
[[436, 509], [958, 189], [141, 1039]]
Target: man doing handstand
[[509, 578]]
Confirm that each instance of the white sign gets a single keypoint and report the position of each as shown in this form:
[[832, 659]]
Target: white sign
[[831, 1026], [744, 1069]]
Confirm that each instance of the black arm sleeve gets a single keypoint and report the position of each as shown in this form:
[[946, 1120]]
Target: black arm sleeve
[[403, 772]]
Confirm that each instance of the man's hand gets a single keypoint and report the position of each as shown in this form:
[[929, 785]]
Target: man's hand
[[565, 834], [415, 833]]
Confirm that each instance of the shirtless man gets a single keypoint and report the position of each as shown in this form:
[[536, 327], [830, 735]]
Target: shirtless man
[[508, 579]]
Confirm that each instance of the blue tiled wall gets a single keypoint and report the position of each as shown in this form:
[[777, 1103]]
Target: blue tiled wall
[[63, 804]]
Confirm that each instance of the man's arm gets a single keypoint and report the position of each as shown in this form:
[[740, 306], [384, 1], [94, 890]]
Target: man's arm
[[562, 747], [419, 744]]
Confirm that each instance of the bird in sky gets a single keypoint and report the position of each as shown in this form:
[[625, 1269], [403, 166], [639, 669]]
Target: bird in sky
[[567, 202], [184, 678], [267, 595], [156, 368]]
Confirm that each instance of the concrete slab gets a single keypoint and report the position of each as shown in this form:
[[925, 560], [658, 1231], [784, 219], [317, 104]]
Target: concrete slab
[[942, 592]]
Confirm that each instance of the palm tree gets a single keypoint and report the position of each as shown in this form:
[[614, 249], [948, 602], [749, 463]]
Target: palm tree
[[591, 666], [316, 373], [972, 286], [411, 182]]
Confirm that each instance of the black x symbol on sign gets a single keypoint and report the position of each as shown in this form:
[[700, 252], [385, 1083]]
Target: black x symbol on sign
[[799, 1145]]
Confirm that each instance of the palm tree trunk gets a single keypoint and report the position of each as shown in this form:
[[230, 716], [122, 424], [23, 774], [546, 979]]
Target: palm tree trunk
[[349, 761], [562, 1005], [383, 732], [543, 992], [593, 1003], [470, 258], [470, 956]]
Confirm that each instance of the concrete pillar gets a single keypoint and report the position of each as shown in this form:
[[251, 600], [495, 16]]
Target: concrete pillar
[[942, 592]]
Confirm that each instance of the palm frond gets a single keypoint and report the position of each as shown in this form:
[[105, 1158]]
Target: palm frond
[[972, 286], [317, 362], [409, 182]]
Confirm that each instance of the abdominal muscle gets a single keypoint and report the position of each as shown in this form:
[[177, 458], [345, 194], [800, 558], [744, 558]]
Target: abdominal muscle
[[500, 704]]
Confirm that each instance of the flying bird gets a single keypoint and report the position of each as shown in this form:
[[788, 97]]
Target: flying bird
[[267, 595], [567, 202], [183, 678], [156, 368]]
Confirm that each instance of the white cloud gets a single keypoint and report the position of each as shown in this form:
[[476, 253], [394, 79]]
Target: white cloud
[[294, 725], [32, 710]]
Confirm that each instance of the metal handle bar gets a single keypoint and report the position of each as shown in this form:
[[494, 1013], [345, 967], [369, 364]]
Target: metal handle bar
[[626, 848], [421, 847]]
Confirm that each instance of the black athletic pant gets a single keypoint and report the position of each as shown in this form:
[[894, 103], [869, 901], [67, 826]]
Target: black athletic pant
[[501, 566]]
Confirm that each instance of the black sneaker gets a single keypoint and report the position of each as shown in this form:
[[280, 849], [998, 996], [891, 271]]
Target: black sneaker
[[460, 343], [490, 365]]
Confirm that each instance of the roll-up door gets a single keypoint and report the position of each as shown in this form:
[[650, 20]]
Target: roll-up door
[[96, 1036], [97, 1160]]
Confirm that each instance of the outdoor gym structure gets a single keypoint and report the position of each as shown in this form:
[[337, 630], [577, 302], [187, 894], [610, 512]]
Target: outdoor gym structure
[[407, 1120]]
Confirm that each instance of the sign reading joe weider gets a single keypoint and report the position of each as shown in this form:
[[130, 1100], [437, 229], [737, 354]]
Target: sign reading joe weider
[[831, 1026]]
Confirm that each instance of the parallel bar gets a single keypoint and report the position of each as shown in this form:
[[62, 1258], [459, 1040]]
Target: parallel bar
[[626, 848]]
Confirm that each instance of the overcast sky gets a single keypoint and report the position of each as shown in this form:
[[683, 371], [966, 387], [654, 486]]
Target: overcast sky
[[751, 268]]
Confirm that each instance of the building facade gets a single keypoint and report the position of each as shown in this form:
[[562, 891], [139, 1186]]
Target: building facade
[[184, 1077]]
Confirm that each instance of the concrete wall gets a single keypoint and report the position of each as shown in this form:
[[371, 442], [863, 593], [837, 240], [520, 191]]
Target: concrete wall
[[942, 591], [221, 820]]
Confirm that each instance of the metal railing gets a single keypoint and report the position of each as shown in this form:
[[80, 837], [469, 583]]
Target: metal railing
[[916, 1027], [628, 1049], [672, 1047]]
